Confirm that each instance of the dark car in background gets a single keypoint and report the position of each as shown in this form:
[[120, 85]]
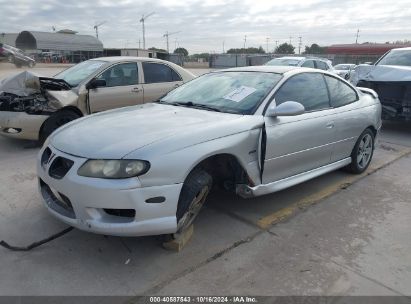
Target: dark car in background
[[390, 77], [16, 56]]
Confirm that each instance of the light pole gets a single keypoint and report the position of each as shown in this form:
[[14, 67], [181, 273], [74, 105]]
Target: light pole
[[167, 34], [142, 20], [95, 27]]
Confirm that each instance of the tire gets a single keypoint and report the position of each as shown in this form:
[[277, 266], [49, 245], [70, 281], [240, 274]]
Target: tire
[[362, 153], [193, 195], [55, 121]]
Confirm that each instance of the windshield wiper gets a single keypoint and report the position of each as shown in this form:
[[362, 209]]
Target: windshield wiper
[[191, 104]]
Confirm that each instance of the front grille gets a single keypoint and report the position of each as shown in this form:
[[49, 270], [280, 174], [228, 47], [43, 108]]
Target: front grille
[[60, 167], [394, 96], [57, 201]]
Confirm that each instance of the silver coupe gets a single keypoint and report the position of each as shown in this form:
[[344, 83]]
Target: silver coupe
[[147, 169]]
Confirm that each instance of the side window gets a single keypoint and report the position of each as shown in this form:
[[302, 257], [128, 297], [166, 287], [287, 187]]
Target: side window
[[308, 64], [341, 94], [123, 74], [157, 72], [321, 65], [309, 89]]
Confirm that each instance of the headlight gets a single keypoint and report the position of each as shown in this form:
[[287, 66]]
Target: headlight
[[113, 168]]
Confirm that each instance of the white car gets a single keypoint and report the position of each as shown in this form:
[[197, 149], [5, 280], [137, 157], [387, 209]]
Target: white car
[[344, 70], [305, 62]]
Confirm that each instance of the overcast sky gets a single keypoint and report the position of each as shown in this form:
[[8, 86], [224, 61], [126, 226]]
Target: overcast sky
[[204, 25]]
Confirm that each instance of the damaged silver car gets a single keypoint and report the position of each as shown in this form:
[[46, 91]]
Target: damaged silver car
[[148, 169], [390, 77], [32, 107]]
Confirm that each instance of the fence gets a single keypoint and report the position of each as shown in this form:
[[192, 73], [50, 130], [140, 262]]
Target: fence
[[240, 60]]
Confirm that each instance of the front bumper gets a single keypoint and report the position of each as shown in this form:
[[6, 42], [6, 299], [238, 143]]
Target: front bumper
[[27, 125], [87, 203]]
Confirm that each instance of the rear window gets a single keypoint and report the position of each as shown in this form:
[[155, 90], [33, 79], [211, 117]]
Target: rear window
[[157, 72]]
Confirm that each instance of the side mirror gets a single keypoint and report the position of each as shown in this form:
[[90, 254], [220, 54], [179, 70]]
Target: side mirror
[[96, 83], [288, 108]]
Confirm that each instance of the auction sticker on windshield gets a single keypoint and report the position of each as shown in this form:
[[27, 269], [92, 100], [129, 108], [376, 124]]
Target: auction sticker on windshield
[[240, 93]]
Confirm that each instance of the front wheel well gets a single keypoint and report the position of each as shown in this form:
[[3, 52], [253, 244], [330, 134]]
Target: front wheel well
[[225, 170], [69, 110]]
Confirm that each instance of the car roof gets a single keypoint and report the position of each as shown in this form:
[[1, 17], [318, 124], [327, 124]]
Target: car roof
[[267, 69], [126, 58]]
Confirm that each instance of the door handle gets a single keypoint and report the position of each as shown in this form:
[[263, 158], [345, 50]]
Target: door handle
[[330, 125], [136, 90]]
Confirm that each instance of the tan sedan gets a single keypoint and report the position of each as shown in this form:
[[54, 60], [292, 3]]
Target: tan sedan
[[32, 107]]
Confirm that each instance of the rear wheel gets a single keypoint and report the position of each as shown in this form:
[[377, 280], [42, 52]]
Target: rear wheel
[[362, 153], [193, 195], [55, 121]]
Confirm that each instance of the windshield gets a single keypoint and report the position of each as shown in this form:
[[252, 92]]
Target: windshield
[[76, 74], [398, 57], [231, 92], [283, 62]]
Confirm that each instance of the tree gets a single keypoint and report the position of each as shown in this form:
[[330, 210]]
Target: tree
[[250, 50], [204, 56], [181, 50], [157, 50], [285, 48], [314, 49]]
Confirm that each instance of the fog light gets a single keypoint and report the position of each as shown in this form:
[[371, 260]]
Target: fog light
[[12, 130]]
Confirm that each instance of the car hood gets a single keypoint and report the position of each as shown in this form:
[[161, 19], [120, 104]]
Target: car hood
[[116, 133], [381, 73]]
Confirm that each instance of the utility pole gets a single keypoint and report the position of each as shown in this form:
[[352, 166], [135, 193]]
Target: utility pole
[[290, 39], [223, 46], [139, 43], [356, 38], [299, 44], [245, 41], [142, 20], [167, 34], [97, 26], [266, 41]]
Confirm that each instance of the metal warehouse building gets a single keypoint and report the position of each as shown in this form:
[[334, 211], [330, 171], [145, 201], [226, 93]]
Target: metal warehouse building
[[65, 43]]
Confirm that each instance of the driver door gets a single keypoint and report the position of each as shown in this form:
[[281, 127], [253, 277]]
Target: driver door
[[123, 88], [296, 144]]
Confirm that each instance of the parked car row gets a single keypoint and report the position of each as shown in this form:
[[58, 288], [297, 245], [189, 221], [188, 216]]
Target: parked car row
[[15, 56], [306, 62], [147, 169]]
